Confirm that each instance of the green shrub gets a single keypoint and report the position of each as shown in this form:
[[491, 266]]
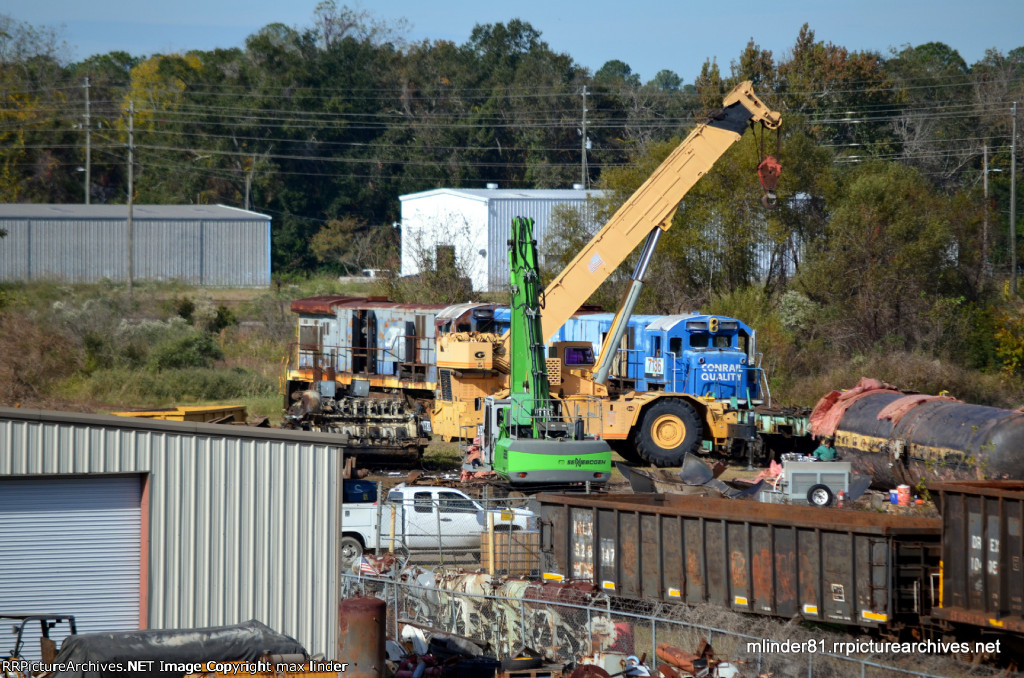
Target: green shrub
[[195, 349], [185, 307]]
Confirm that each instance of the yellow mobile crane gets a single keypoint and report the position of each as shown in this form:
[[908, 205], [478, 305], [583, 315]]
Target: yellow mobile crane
[[661, 427]]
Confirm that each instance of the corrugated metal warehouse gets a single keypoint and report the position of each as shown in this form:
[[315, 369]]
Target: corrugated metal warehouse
[[210, 245], [477, 223], [134, 523]]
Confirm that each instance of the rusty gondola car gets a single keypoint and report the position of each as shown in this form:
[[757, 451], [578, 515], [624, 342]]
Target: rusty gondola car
[[851, 568]]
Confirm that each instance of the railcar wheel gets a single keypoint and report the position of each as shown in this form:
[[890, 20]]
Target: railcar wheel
[[820, 495], [669, 430]]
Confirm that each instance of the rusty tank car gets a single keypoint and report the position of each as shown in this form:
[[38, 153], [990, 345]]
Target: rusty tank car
[[899, 438]]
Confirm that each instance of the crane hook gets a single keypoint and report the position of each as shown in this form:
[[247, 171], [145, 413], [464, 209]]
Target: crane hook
[[768, 172]]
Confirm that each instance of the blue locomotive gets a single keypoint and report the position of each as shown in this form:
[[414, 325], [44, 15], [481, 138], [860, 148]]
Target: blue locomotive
[[702, 355]]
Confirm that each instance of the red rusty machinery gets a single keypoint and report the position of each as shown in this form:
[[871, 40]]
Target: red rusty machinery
[[769, 171], [361, 622], [569, 593]]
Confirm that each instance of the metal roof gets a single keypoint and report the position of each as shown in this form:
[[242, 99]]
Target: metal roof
[[667, 322], [327, 304], [485, 194], [139, 212]]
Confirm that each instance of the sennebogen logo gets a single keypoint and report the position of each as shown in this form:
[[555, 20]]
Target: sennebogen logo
[[579, 461]]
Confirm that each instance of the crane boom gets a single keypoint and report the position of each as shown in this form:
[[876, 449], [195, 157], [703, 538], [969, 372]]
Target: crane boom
[[653, 205]]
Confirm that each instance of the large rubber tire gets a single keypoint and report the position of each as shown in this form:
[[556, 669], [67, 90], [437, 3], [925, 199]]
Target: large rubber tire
[[351, 553], [820, 495], [669, 431], [626, 449]]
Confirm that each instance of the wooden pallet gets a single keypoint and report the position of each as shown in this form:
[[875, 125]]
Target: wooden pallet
[[544, 671]]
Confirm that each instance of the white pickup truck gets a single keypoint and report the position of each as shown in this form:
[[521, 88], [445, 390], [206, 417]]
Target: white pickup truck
[[422, 518]]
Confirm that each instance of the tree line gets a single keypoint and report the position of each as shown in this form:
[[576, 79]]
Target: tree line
[[883, 237]]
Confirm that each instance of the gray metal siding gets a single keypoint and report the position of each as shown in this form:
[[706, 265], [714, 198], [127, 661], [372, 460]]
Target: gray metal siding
[[71, 546], [499, 229], [212, 252], [241, 525]]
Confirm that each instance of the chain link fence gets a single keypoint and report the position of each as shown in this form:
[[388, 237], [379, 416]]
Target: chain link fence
[[567, 622], [440, 526]]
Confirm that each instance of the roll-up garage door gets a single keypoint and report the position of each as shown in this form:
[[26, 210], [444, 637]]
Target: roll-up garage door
[[71, 546]]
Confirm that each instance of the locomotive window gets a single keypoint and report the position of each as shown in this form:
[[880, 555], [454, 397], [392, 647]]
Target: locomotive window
[[743, 340], [579, 355], [484, 318], [699, 340], [675, 345], [696, 325], [728, 325], [723, 341], [309, 336]]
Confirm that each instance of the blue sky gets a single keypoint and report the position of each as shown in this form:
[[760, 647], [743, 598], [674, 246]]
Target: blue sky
[[647, 35]]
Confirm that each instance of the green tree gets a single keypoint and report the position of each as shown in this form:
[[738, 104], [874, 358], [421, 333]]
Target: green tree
[[353, 245], [616, 73], [35, 143], [888, 255], [933, 82], [838, 92], [710, 88], [758, 66], [666, 81]]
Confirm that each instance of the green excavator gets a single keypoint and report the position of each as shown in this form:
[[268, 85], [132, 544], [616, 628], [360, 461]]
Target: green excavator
[[528, 437]]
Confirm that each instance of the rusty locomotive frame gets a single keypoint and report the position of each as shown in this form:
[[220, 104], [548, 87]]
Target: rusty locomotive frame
[[889, 574], [365, 367]]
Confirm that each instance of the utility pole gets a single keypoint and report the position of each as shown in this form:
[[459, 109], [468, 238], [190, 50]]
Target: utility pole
[[584, 179], [88, 143], [131, 191], [984, 224], [1013, 205], [248, 180]]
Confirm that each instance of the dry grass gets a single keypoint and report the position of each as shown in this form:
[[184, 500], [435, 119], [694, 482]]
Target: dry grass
[[909, 372], [34, 359]]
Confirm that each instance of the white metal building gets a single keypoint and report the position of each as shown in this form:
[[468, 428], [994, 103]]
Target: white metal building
[[133, 523], [212, 245], [476, 222]]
